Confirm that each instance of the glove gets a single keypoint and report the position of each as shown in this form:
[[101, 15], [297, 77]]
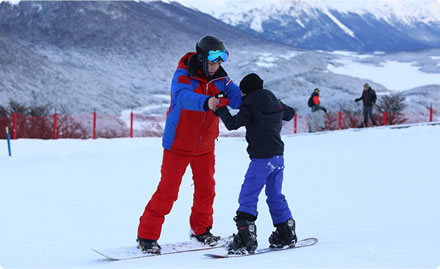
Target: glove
[[357, 100], [325, 110], [221, 94], [222, 102]]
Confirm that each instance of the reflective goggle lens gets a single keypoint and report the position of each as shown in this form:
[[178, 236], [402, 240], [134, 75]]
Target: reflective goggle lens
[[218, 55]]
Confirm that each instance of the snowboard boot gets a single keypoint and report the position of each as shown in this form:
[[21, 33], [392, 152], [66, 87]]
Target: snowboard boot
[[148, 246], [284, 235], [245, 241], [207, 238]]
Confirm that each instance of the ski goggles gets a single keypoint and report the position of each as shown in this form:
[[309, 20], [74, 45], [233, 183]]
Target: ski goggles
[[218, 55]]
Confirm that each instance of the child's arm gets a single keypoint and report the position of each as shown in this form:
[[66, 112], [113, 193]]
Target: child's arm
[[288, 112], [234, 94], [242, 118]]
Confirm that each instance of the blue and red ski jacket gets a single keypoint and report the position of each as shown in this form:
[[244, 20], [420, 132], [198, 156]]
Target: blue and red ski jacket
[[189, 128]]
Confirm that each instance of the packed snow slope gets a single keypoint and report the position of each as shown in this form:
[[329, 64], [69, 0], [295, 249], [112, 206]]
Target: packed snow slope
[[371, 196]]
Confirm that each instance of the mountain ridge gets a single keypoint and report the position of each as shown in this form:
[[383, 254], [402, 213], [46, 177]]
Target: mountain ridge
[[366, 26]]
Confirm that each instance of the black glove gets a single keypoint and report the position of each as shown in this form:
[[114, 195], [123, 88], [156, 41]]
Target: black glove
[[206, 105], [325, 110], [219, 110], [357, 100]]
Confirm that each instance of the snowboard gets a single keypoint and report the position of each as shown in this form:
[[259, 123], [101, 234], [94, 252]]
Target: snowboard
[[300, 244], [132, 252]]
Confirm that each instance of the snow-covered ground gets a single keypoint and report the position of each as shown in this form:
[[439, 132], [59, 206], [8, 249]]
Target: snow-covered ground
[[371, 196]]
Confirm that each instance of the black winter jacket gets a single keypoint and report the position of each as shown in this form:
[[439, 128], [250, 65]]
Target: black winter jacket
[[262, 114], [368, 97]]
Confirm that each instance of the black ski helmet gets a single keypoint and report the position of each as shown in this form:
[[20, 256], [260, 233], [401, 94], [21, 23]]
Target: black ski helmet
[[207, 43]]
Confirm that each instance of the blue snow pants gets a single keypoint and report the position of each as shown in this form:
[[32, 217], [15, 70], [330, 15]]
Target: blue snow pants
[[267, 172]]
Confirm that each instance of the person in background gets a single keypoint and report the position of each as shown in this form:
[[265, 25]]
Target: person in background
[[262, 115], [368, 99], [317, 111], [189, 139]]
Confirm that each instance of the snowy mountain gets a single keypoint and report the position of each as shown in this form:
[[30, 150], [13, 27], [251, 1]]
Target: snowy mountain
[[106, 56], [363, 26]]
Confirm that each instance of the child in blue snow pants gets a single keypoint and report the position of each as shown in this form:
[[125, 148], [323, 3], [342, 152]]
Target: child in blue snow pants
[[262, 114]]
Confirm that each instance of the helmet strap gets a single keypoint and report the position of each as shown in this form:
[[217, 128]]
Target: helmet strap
[[203, 60]]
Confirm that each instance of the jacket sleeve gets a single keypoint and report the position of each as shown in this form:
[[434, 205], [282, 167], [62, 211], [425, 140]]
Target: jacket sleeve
[[374, 97], [183, 94], [234, 93], [288, 112], [242, 118]]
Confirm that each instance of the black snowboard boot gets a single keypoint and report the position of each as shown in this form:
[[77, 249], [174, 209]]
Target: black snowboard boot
[[148, 246], [284, 235], [245, 241], [207, 238]]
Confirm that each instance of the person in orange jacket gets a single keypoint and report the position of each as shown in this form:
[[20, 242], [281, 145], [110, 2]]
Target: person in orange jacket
[[317, 111], [189, 139]]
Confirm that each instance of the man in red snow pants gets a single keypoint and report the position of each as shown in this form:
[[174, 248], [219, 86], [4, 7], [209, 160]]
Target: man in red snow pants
[[189, 139]]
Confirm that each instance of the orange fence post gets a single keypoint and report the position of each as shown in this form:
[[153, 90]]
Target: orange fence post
[[55, 130], [430, 114], [14, 127], [131, 124], [94, 124], [295, 123], [340, 121]]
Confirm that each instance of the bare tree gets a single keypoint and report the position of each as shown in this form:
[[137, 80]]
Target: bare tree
[[36, 121], [393, 104], [3, 111], [15, 107]]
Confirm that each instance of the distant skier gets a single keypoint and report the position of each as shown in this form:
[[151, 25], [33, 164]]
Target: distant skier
[[368, 99], [189, 139], [317, 111], [262, 114]]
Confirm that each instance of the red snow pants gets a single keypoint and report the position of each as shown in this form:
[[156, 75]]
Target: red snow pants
[[160, 204]]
